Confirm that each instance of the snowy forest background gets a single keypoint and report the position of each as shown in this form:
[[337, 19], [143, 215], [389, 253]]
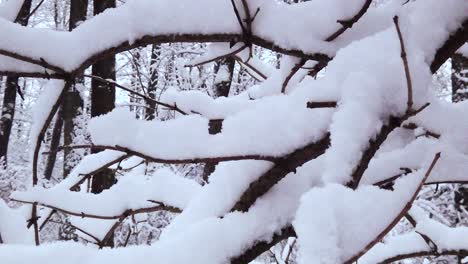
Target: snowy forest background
[[161, 82]]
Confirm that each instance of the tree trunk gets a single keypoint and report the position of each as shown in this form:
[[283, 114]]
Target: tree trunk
[[460, 93], [73, 102], [102, 102], [9, 99], [150, 113], [54, 144], [224, 70]]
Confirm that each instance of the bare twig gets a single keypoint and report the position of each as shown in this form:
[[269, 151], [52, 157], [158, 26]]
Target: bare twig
[[147, 98], [171, 161], [402, 213], [329, 104], [160, 207], [232, 53], [409, 84], [294, 70]]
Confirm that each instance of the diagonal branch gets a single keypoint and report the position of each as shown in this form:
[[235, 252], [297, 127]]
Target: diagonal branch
[[150, 158], [402, 213], [159, 207], [45, 125]]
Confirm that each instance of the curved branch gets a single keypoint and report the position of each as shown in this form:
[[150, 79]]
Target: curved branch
[[171, 161], [46, 124], [427, 253], [402, 213], [159, 207], [147, 98]]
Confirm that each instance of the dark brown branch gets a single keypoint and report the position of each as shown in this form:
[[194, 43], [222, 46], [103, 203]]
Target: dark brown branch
[[346, 24], [397, 219], [256, 250], [413, 126], [47, 219], [147, 98], [45, 125], [41, 62], [451, 45], [388, 183], [425, 237], [160, 207], [32, 12], [294, 70], [324, 104], [84, 177], [171, 161], [232, 53], [397, 258], [409, 83], [251, 67], [34, 218], [282, 168]]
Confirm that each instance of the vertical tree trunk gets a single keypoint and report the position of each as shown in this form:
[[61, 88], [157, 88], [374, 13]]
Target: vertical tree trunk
[[224, 70], [54, 144], [460, 93], [150, 113], [73, 102], [102, 102], [9, 99]]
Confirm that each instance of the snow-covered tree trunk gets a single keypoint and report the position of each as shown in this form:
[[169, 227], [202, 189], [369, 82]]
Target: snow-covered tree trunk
[[73, 103], [103, 100], [9, 98]]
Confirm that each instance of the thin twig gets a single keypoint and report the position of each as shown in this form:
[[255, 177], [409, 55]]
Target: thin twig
[[169, 161], [160, 207], [147, 98], [406, 65]]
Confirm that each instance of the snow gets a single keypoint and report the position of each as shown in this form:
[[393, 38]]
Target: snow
[[51, 93], [9, 9], [335, 223], [130, 192], [13, 225], [171, 140]]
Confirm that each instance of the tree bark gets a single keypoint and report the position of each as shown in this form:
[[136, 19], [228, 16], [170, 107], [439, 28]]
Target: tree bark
[[54, 144], [73, 102], [9, 99], [150, 112], [102, 102], [224, 70], [460, 93]]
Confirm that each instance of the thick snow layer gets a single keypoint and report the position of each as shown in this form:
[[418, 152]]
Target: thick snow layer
[[335, 223], [13, 224], [255, 131], [9, 9], [90, 164], [130, 192], [226, 183], [49, 96], [215, 240]]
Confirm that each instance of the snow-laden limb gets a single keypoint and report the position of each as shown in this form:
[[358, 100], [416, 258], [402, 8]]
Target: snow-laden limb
[[387, 166], [130, 193], [90, 165], [430, 238], [172, 141], [335, 224], [206, 20], [200, 103], [13, 225], [216, 240], [226, 183], [43, 113], [9, 9], [217, 51]]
